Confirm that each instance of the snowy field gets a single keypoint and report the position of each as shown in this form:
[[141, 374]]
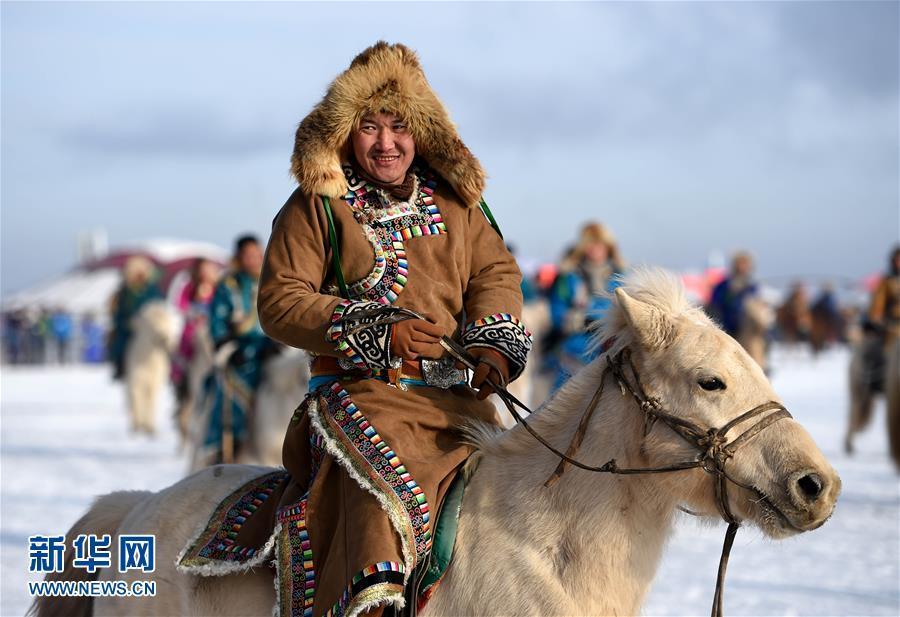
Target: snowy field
[[64, 440]]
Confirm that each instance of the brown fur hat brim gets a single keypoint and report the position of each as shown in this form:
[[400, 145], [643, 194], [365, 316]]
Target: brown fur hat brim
[[383, 78]]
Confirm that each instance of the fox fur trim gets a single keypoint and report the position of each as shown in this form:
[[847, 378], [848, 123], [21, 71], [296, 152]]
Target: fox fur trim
[[383, 78]]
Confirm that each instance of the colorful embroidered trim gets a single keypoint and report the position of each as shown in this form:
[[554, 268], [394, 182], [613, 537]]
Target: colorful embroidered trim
[[229, 391], [371, 455], [297, 587], [217, 541], [375, 582], [501, 332], [497, 318], [387, 226], [240, 389]]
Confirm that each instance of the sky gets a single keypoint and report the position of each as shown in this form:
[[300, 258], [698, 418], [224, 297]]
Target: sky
[[691, 129]]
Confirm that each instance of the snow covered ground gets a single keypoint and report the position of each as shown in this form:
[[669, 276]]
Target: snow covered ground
[[64, 440]]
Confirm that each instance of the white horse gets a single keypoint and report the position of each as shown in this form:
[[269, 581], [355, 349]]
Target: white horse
[[154, 332], [285, 380], [591, 543], [196, 371]]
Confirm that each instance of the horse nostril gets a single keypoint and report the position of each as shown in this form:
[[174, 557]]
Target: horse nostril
[[810, 486]]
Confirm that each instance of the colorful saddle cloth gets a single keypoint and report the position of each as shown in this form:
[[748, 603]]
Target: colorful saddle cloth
[[247, 529], [240, 531]]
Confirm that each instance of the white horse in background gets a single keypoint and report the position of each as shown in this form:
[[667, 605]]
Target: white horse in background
[[285, 380], [531, 387], [196, 371], [284, 385], [590, 543], [155, 330]]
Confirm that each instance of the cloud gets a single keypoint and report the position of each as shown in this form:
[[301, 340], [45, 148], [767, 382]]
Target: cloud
[[663, 75], [852, 45], [175, 132], [686, 126]]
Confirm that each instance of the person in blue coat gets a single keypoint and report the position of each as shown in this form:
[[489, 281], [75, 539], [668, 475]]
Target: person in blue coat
[[579, 297], [241, 348], [62, 327], [92, 340], [726, 305]]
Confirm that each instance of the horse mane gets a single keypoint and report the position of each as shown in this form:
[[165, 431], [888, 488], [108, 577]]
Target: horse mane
[[654, 286], [476, 434], [651, 285]]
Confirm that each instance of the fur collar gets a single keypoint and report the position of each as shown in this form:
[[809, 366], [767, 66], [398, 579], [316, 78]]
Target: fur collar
[[382, 78]]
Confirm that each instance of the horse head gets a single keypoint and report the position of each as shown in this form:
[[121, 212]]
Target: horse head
[[158, 324], [699, 379]]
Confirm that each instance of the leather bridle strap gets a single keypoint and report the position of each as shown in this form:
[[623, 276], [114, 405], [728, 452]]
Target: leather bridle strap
[[719, 594], [572, 450]]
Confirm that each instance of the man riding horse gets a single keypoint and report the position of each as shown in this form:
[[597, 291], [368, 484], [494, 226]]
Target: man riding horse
[[381, 251], [881, 325], [884, 311]]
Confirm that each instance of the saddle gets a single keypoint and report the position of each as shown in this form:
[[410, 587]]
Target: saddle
[[242, 531]]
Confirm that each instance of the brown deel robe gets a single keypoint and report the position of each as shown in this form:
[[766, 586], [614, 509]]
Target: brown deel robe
[[369, 461]]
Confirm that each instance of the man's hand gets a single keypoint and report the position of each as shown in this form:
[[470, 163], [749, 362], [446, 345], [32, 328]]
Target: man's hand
[[490, 363], [412, 339]]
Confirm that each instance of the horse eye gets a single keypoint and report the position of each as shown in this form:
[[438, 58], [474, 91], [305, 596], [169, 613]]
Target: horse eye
[[711, 383]]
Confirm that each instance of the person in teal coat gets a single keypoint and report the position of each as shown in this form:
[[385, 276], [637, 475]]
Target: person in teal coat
[[138, 287], [241, 349]]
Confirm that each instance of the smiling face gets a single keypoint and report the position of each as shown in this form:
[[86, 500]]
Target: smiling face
[[383, 147], [702, 375]]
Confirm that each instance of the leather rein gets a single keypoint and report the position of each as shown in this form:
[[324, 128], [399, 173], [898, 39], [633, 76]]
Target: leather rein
[[714, 450]]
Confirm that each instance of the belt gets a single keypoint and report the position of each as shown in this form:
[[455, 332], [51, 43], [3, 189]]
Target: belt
[[437, 373]]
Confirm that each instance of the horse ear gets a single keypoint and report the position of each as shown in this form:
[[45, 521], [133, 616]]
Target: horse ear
[[652, 328]]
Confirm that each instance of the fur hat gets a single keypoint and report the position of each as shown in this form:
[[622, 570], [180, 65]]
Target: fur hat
[[383, 78], [137, 269], [594, 233]]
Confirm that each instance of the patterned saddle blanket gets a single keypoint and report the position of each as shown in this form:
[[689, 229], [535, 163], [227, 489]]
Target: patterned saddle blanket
[[242, 533]]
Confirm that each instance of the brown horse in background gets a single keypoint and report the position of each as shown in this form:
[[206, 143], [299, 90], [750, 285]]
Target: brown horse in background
[[875, 369]]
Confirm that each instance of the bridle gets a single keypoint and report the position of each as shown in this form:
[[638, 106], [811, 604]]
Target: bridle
[[714, 450]]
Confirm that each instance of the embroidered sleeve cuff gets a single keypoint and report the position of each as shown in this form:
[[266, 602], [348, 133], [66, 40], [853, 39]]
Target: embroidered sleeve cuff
[[504, 333], [366, 348]]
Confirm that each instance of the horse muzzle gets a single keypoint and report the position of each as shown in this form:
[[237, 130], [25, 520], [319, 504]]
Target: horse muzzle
[[803, 503]]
